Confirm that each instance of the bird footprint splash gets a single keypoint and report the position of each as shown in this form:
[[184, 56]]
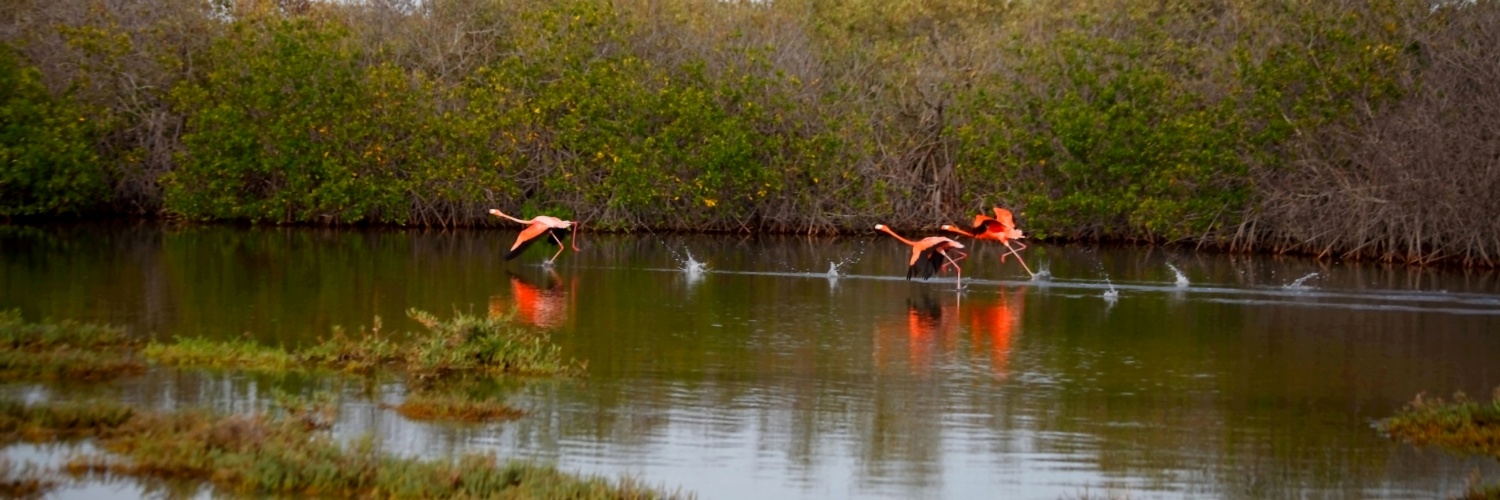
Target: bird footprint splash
[[1300, 283], [1182, 279], [693, 268], [1043, 274]]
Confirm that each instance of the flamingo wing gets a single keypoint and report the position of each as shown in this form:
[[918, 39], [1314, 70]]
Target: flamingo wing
[[926, 264], [1004, 217], [528, 236], [979, 221]]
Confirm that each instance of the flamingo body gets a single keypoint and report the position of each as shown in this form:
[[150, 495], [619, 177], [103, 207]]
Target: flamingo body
[[928, 255], [1001, 228], [542, 227]]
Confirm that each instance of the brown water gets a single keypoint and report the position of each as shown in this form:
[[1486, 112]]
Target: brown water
[[809, 368]]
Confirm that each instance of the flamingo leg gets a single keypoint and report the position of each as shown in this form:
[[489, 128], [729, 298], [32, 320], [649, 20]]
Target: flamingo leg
[[560, 247], [1018, 257], [959, 271]]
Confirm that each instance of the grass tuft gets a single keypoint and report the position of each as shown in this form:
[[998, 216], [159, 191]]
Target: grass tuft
[[63, 350], [1460, 425], [278, 454], [455, 408], [23, 482], [230, 354], [19, 422]]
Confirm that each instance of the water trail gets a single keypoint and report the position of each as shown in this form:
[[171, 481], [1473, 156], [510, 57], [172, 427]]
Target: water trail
[[1299, 284], [1182, 280]]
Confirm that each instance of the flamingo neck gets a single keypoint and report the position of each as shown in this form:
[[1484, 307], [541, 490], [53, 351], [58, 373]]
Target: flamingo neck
[[960, 231], [502, 214], [897, 236]]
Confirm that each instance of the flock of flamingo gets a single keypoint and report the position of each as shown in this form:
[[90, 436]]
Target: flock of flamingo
[[930, 255]]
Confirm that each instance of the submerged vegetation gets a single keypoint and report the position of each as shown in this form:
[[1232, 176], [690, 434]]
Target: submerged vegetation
[[1462, 426], [1358, 129], [288, 450]]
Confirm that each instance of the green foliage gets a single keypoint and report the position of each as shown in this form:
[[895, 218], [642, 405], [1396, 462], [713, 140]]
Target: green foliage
[[1151, 120], [48, 165], [1124, 127], [280, 131]]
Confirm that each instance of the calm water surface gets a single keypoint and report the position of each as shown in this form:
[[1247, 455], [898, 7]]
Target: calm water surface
[[791, 367]]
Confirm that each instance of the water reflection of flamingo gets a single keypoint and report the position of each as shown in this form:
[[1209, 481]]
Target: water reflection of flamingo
[[1001, 228], [928, 323], [931, 327], [543, 306], [998, 322], [539, 227], [929, 254]]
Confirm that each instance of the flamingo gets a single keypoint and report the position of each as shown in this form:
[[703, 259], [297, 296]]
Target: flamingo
[[536, 227], [1001, 228], [929, 254]]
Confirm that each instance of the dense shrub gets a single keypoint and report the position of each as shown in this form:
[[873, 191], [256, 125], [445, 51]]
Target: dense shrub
[[1260, 124], [48, 164]]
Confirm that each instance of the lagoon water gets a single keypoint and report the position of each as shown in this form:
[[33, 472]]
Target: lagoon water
[[736, 366]]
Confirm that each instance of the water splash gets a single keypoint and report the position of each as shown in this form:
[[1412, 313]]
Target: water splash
[[692, 266], [1300, 283], [1110, 295], [1043, 273], [1182, 279], [833, 269]]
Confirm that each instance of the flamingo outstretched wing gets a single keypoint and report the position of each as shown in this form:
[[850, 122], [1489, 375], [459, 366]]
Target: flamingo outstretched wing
[[536, 231]]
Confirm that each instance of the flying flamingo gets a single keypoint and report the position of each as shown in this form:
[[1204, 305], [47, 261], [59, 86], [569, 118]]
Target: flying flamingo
[[1001, 228], [536, 227], [929, 254]]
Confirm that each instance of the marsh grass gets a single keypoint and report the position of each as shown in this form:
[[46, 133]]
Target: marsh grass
[[19, 422], [462, 344], [64, 350], [1461, 426], [228, 354], [25, 481], [455, 408], [278, 452], [442, 353]]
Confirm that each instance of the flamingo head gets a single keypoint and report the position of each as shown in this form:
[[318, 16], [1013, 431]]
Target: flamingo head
[[495, 212], [880, 227]]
